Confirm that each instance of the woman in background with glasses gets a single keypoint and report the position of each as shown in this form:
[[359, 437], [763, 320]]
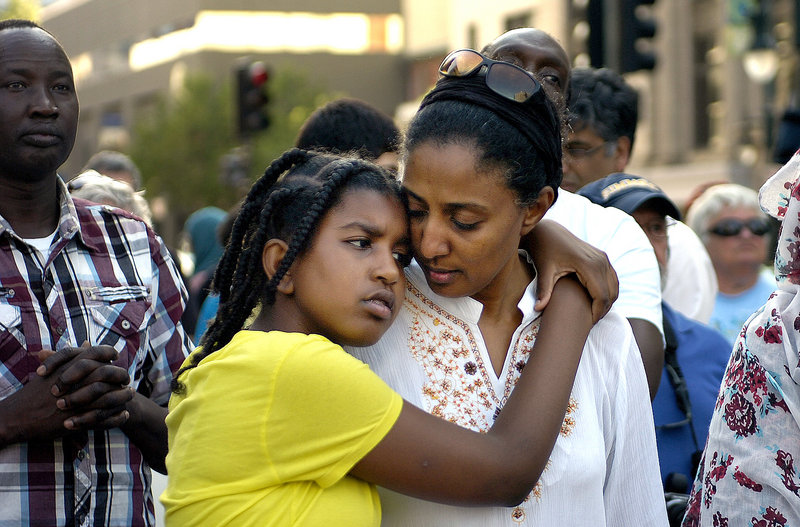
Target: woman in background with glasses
[[729, 221], [481, 165]]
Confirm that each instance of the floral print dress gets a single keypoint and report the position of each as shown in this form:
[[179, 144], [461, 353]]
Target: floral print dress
[[747, 475]]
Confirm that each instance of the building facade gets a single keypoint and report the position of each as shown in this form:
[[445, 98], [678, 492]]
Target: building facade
[[702, 118], [127, 53]]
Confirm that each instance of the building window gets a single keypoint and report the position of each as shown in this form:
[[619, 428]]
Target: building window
[[518, 20], [113, 135]]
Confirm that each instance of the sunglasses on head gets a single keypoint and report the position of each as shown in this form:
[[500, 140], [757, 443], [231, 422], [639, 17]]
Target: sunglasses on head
[[503, 78], [733, 226]]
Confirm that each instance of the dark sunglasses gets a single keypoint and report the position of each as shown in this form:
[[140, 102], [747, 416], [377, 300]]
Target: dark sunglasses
[[503, 78], [733, 226]]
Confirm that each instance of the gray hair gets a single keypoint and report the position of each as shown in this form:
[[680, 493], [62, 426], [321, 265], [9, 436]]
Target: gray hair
[[112, 161], [716, 198], [92, 186]]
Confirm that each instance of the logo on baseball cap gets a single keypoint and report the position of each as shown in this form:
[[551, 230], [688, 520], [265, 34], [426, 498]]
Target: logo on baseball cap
[[627, 193]]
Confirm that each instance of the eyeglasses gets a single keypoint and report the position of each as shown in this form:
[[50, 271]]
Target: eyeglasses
[[733, 226], [581, 153], [658, 229], [503, 78]]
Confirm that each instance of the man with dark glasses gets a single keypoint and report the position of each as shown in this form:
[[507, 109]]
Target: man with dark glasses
[[695, 356], [607, 229], [735, 232], [536, 52]]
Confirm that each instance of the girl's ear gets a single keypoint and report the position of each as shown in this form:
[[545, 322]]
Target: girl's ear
[[535, 211], [271, 257]]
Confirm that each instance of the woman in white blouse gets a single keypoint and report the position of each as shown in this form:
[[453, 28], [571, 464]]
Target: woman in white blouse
[[481, 165]]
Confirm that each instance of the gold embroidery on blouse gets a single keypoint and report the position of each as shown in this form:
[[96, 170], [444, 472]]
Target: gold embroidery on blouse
[[569, 419], [459, 386]]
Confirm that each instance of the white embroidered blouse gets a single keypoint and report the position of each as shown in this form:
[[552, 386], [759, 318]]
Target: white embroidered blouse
[[604, 466]]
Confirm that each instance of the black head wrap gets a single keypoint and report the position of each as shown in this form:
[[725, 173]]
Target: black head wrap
[[536, 118]]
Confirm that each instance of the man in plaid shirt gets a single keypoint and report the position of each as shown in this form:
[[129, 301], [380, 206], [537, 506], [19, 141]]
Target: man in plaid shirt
[[90, 308]]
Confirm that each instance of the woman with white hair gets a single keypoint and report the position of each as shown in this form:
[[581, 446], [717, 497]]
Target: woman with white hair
[[93, 186], [729, 221]]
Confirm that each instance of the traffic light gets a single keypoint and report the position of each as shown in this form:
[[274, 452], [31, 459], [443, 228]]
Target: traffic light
[[595, 41], [252, 81], [636, 30]]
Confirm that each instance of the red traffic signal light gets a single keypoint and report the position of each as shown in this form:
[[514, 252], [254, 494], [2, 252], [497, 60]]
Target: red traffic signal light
[[259, 74], [252, 81]]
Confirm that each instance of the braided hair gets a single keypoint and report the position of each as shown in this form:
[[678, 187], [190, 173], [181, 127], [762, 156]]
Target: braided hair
[[288, 202]]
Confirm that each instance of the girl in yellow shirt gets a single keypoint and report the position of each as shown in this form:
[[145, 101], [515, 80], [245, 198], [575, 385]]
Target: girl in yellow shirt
[[276, 424]]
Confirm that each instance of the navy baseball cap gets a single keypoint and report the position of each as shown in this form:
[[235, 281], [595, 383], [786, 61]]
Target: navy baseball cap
[[628, 193]]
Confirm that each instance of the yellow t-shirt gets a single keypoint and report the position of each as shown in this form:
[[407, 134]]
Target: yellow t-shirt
[[267, 431]]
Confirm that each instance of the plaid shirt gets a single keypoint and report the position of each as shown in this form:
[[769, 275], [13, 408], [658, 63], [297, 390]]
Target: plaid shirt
[[109, 280]]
